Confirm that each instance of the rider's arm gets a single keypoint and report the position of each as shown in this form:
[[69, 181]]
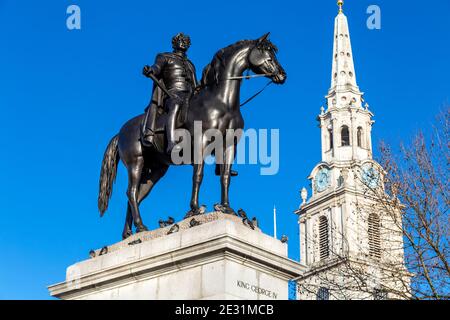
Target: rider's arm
[[157, 67], [160, 61]]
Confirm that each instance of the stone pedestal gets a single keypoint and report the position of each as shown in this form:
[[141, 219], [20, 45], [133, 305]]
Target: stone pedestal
[[222, 258]]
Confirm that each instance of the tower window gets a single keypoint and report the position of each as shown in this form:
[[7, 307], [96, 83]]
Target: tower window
[[330, 135], [359, 136], [345, 136], [323, 238], [374, 236], [323, 294]]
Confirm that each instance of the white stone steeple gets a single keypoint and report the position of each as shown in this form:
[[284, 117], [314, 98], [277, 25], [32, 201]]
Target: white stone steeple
[[336, 222]]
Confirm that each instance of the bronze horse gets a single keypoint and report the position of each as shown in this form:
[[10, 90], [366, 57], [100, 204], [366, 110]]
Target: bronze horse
[[216, 105]]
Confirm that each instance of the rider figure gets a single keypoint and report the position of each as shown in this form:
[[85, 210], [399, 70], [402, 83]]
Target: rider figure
[[177, 74]]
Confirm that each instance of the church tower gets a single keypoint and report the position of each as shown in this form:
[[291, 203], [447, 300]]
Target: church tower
[[347, 242]]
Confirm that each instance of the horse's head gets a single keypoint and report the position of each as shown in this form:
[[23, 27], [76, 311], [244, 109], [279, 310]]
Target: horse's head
[[262, 60]]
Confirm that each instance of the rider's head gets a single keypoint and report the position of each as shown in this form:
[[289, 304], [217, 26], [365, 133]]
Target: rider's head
[[181, 42]]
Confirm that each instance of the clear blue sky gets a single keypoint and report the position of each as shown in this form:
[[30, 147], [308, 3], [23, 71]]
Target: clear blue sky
[[64, 94]]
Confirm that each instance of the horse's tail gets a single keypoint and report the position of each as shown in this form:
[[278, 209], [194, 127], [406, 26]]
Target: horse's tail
[[108, 174]]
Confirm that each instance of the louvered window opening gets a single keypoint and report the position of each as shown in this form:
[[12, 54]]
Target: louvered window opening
[[374, 236], [323, 238]]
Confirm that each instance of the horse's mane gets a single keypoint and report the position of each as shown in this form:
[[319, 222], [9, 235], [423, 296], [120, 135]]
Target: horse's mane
[[211, 73]]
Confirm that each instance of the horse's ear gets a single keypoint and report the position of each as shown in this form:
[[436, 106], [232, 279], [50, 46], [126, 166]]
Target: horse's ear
[[263, 38]]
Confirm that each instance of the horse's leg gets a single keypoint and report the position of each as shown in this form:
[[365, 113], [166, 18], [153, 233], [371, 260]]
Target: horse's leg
[[148, 181], [196, 182], [127, 231], [128, 228], [134, 180], [225, 178]]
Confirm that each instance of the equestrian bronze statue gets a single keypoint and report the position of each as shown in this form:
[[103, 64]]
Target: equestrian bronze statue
[[215, 103]]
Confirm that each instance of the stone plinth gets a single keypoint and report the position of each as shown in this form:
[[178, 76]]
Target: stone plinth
[[220, 259]]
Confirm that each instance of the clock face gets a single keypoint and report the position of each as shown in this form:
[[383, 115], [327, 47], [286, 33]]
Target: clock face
[[322, 179], [370, 176]]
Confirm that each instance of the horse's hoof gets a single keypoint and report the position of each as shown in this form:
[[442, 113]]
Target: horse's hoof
[[191, 213], [224, 209], [127, 234], [195, 212], [141, 228]]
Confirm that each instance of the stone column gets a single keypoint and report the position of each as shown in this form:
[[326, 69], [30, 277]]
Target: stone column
[[336, 135], [303, 242], [353, 138], [323, 134], [369, 138], [330, 218]]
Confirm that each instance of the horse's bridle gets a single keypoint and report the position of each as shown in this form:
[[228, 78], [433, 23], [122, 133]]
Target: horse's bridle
[[256, 94], [250, 76]]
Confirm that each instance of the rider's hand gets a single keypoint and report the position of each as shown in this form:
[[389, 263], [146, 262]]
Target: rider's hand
[[147, 71]]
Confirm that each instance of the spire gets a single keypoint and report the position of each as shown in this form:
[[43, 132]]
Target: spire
[[343, 77], [346, 124]]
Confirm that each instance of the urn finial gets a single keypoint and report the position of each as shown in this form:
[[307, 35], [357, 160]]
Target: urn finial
[[304, 195]]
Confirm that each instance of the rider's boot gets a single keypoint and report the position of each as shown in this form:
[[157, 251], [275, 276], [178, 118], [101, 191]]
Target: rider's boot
[[172, 145], [148, 134], [148, 137]]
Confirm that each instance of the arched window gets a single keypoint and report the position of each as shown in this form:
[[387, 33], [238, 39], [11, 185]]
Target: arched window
[[345, 136], [323, 238], [323, 294], [374, 236], [330, 135], [359, 136]]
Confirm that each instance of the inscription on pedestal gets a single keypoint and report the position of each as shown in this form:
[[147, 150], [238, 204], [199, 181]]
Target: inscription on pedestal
[[256, 289]]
